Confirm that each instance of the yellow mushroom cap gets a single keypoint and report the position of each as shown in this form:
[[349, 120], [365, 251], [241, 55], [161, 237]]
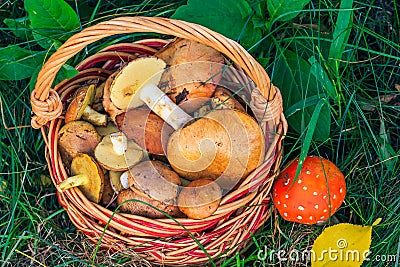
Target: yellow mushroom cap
[[87, 175]]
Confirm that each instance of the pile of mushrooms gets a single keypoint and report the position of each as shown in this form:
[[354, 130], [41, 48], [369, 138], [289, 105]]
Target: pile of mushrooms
[[165, 141]]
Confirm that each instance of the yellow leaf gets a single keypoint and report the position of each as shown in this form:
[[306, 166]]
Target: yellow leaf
[[344, 245]]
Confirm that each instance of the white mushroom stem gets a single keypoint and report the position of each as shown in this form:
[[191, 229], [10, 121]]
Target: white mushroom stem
[[94, 117], [119, 142], [124, 178], [72, 181], [163, 106]]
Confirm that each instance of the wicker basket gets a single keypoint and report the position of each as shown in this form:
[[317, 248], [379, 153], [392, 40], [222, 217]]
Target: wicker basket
[[170, 242]]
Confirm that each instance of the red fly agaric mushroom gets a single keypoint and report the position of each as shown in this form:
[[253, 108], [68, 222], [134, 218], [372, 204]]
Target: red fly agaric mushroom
[[314, 196]]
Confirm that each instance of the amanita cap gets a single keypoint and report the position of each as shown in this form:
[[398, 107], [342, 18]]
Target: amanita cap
[[316, 194]]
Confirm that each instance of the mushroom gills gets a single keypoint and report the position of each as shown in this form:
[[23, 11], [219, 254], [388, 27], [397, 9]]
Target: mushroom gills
[[87, 175]]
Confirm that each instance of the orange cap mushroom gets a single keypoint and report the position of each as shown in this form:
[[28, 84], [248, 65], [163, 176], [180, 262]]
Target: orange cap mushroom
[[317, 193], [80, 107]]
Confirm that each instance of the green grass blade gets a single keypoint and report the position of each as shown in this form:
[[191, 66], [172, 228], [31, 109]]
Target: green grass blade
[[308, 138], [341, 33]]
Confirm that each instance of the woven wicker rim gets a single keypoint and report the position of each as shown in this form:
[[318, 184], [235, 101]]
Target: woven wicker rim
[[165, 241], [46, 103]]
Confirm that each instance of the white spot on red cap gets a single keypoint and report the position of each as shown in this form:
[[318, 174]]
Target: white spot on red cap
[[317, 176], [311, 217], [308, 172], [287, 182], [341, 190], [324, 197], [301, 208], [279, 202], [286, 196], [315, 193], [305, 188], [284, 204], [322, 217], [285, 214], [299, 217], [299, 181], [334, 196], [316, 206]]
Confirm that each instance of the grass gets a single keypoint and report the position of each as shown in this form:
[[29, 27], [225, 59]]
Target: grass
[[364, 139]]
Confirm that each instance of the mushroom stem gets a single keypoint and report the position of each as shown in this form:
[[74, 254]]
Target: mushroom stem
[[72, 181], [119, 142], [124, 178], [163, 106], [94, 117]]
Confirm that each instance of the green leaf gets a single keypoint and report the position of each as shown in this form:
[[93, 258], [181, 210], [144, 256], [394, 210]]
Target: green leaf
[[65, 72], [284, 10], [46, 42], [298, 85], [310, 132], [17, 63], [19, 27], [322, 77], [341, 33], [228, 17], [385, 150], [259, 9], [52, 18]]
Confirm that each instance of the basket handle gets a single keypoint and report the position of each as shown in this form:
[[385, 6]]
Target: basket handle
[[46, 103]]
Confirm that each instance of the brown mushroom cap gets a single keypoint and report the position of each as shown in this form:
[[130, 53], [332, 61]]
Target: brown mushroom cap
[[78, 104], [157, 180], [109, 195], [110, 160], [147, 129], [77, 137], [154, 183], [224, 146], [136, 207], [80, 107], [88, 175], [316, 194], [200, 198], [194, 70], [223, 98], [112, 110]]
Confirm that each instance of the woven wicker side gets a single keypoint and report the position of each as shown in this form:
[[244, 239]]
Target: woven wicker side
[[241, 213]]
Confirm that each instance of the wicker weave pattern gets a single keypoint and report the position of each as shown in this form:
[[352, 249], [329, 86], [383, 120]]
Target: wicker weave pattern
[[45, 102], [171, 242]]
